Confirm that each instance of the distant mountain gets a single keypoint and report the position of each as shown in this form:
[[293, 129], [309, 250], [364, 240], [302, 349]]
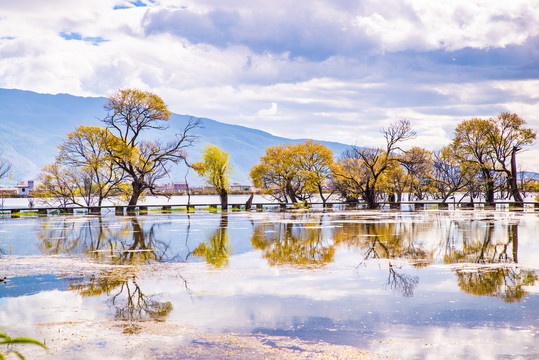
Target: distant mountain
[[32, 125]]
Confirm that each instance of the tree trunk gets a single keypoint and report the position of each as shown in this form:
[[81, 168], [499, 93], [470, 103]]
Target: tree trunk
[[223, 194], [322, 195], [137, 191], [370, 197], [291, 194], [489, 187], [512, 179], [249, 202]]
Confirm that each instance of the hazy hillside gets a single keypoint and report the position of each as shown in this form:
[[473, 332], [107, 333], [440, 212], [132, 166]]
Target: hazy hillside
[[31, 125]]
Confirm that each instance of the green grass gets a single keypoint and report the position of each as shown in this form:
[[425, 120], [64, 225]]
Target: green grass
[[9, 342]]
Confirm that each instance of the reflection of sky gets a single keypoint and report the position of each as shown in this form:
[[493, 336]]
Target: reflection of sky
[[338, 304], [349, 301]]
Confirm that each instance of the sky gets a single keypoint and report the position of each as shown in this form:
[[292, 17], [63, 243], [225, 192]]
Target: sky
[[337, 70]]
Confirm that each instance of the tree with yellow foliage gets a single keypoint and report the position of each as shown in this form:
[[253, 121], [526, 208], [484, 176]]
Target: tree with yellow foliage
[[509, 138], [450, 175], [294, 172], [418, 164], [361, 169], [215, 168], [472, 148], [130, 113], [83, 173]]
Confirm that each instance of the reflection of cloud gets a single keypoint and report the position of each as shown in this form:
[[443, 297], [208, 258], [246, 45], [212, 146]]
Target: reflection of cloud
[[250, 296]]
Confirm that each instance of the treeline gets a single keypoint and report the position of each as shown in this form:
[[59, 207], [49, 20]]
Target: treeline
[[480, 162], [95, 163]]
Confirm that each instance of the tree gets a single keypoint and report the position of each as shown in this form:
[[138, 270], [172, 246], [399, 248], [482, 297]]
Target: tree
[[449, 174], [418, 164], [278, 173], [5, 167], [131, 113], [293, 172], [215, 167], [316, 161], [471, 146], [83, 173], [371, 163], [508, 138]]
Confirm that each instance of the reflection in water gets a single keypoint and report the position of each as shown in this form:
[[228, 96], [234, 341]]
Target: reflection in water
[[393, 238], [309, 240], [388, 240], [479, 247], [129, 244], [128, 299], [504, 282], [299, 241], [217, 251], [402, 283], [458, 266]]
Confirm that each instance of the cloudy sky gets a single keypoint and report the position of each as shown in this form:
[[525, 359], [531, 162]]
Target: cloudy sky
[[333, 70]]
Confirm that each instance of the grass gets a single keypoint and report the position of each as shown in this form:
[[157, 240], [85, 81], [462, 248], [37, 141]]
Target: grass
[[9, 342]]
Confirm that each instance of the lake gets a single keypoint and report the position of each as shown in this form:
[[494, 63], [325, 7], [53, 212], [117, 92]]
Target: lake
[[248, 285]]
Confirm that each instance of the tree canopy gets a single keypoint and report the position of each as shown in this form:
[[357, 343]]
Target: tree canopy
[[83, 173], [130, 113], [293, 172], [215, 168]]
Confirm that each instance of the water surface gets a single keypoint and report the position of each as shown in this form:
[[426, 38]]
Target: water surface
[[428, 284]]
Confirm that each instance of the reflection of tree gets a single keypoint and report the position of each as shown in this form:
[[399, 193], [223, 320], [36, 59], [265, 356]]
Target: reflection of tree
[[479, 247], [130, 302], [123, 248], [389, 239], [299, 241], [503, 282], [218, 250], [402, 283], [135, 306], [129, 244]]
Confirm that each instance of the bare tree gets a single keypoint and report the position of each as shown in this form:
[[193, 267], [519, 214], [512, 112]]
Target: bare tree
[[375, 161], [5, 166]]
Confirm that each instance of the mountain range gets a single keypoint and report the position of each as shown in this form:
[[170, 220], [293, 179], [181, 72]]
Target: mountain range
[[32, 125]]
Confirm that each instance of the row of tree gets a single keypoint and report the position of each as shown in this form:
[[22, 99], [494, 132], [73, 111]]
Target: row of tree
[[480, 161], [117, 160], [96, 163]]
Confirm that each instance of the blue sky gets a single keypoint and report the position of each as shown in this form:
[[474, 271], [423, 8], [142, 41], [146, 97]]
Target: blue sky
[[334, 70]]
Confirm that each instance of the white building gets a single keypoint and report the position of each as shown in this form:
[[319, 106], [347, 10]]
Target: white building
[[25, 188]]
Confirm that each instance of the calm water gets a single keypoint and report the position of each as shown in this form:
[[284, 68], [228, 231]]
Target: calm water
[[428, 284]]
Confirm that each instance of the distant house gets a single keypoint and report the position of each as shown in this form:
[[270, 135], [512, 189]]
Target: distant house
[[172, 187], [25, 188], [238, 187], [8, 191], [177, 187]]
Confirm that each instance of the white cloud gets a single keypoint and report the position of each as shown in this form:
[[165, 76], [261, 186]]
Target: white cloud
[[338, 70], [271, 111]]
